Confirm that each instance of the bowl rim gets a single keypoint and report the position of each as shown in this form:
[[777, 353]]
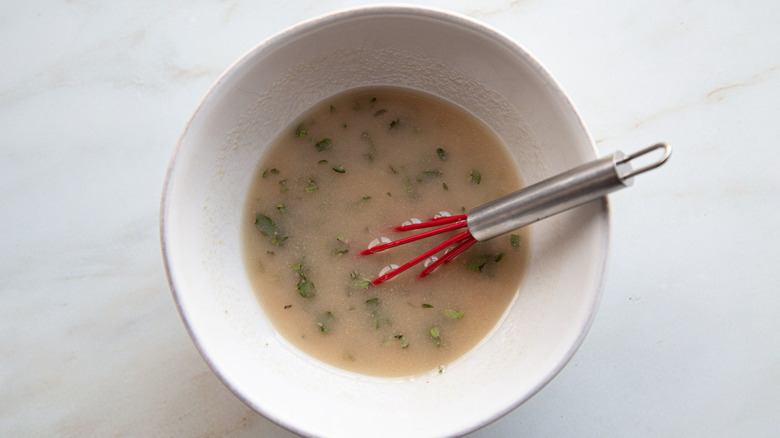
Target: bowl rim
[[301, 28]]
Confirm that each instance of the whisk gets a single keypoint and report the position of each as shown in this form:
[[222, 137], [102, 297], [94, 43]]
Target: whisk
[[554, 195]]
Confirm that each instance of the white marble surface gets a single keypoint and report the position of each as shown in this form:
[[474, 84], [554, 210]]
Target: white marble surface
[[93, 97]]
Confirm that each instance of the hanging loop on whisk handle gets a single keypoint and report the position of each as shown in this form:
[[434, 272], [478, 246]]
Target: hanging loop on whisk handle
[[562, 192]]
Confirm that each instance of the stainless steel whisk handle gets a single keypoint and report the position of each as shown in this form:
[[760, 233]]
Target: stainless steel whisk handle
[[559, 193]]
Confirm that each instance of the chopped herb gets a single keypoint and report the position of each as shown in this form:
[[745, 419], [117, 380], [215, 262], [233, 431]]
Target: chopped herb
[[394, 124], [271, 171], [435, 336], [348, 357], [484, 262], [453, 314], [371, 146], [270, 252], [389, 194], [288, 306], [373, 302], [359, 281], [311, 187], [323, 144], [429, 174], [442, 154], [402, 339], [300, 131], [323, 322], [283, 184], [342, 239], [305, 286], [427, 306], [269, 229], [281, 208], [373, 100], [366, 198], [474, 176], [380, 112], [417, 130], [339, 169], [514, 239], [393, 169], [446, 187], [344, 126], [323, 162], [341, 246], [332, 109], [476, 265]]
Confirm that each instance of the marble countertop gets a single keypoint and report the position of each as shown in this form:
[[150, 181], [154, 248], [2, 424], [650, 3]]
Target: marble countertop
[[94, 95]]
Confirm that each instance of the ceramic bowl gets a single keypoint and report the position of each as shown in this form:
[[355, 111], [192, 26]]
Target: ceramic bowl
[[439, 53]]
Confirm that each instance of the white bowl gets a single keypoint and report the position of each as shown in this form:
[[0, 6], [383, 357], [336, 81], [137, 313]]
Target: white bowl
[[436, 52]]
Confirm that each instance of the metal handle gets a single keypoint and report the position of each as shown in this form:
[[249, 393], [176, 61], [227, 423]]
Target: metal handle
[[560, 193]]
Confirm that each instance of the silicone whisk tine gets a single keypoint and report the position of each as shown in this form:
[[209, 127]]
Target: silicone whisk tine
[[445, 224]]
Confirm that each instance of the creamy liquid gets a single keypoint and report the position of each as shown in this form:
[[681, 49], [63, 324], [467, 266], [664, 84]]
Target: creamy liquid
[[341, 176]]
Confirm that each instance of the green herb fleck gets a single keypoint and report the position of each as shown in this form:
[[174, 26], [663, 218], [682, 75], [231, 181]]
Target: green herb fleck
[[281, 208], [395, 123], [339, 169], [300, 131], [380, 112], [442, 154], [427, 306], [324, 322], [342, 239], [283, 184], [476, 265], [323, 144], [393, 169], [271, 171], [499, 256], [287, 306], [332, 109], [311, 187], [305, 286], [341, 246], [430, 174], [366, 198], [514, 239], [435, 336], [323, 162], [269, 229], [373, 302], [370, 155], [453, 314], [474, 176], [402, 339], [445, 186], [359, 281]]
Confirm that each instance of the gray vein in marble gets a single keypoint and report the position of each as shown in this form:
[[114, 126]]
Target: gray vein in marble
[[499, 9], [711, 97]]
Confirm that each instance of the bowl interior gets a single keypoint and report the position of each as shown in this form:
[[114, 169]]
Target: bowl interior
[[441, 54]]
